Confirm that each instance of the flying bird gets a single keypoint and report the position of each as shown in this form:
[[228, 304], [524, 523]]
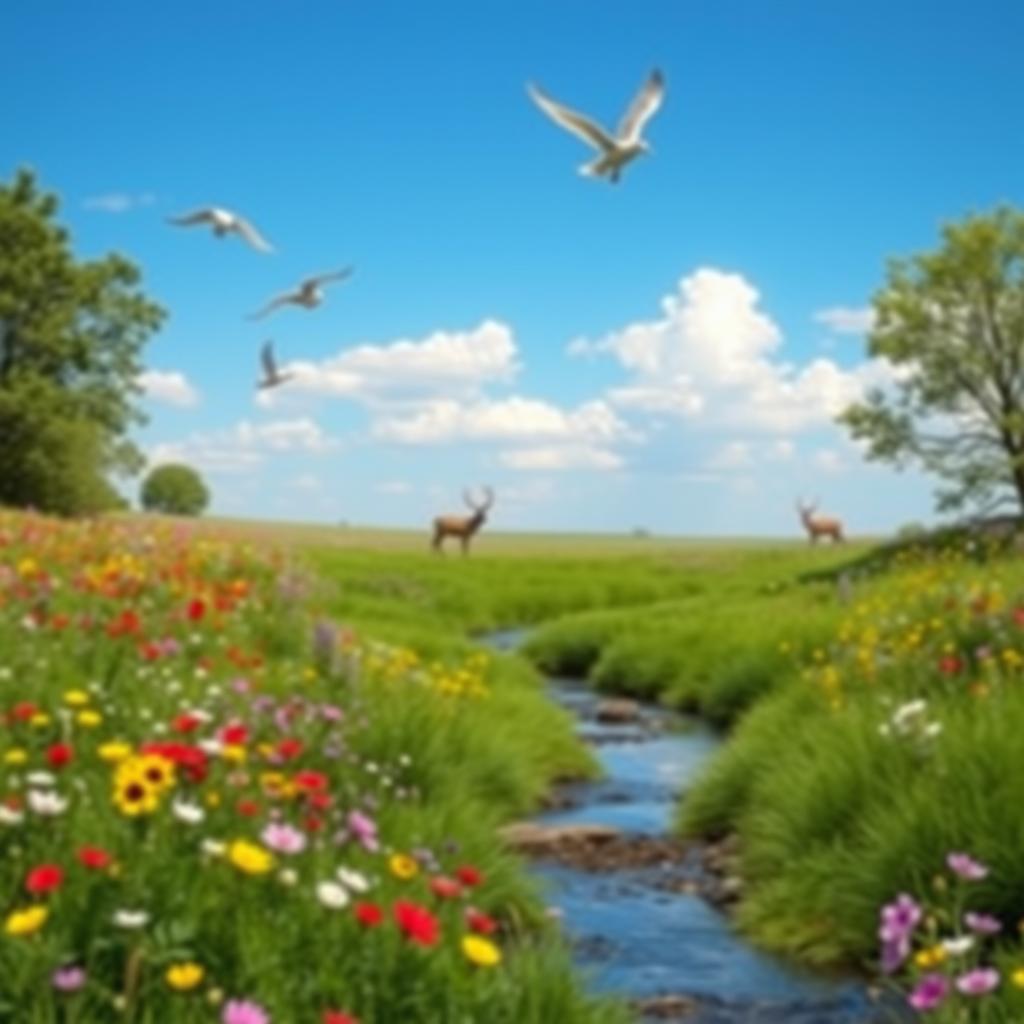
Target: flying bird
[[272, 376], [224, 222], [614, 151], [308, 294]]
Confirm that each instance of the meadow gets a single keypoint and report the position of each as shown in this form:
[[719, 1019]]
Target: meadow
[[302, 724]]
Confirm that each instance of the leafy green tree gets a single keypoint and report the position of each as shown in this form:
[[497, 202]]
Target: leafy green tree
[[175, 490], [71, 336], [951, 323]]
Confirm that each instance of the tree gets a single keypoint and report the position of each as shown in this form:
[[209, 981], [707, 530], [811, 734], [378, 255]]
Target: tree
[[951, 324], [71, 335], [175, 490]]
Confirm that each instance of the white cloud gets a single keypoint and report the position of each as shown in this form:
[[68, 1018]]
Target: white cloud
[[734, 455], [828, 460], [514, 418], [713, 356], [118, 202], [393, 487], [169, 386], [244, 447], [441, 363], [845, 320], [307, 482], [562, 457]]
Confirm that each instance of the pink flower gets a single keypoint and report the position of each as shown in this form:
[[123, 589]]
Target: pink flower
[[68, 979], [283, 838], [982, 924], [365, 830], [978, 982], [241, 1011], [966, 867], [929, 993]]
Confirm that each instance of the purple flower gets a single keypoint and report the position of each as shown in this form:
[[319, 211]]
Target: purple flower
[[283, 838], [325, 640], [978, 982], [966, 867], [68, 979], [241, 1011], [365, 830], [899, 918], [929, 993], [894, 952], [982, 924]]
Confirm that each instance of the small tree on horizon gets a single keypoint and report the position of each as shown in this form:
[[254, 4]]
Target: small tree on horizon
[[174, 490], [951, 324]]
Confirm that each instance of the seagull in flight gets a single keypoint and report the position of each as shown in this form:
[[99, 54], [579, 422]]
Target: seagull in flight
[[224, 222], [272, 376], [614, 151], [308, 294]]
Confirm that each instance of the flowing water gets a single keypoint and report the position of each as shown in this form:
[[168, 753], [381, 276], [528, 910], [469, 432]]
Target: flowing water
[[632, 937]]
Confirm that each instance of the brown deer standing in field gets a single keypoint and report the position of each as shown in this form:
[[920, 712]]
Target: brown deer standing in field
[[819, 526], [463, 527]]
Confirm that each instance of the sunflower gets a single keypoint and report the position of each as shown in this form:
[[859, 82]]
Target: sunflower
[[157, 770], [133, 794]]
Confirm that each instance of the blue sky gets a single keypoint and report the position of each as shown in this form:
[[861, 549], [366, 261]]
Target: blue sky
[[655, 353]]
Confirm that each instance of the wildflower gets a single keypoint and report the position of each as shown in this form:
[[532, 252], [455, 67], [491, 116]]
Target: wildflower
[[978, 982], [365, 831], [929, 993], [94, 858], [369, 915], [250, 858], [310, 782], [480, 951], [157, 770], [15, 756], [983, 924], [959, 946], [43, 780], [131, 920], [114, 751], [932, 957], [68, 979], [1017, 978], [184, 977], [337, 1017], [234, 735], [287, 877], [283, 838], [403, 866], [213, 847], [417, 923], [899, 919], [89, 719], [354, 881], [331, 895], [966, 867], [188, 813], [27, 921], [44, 879], [133, 796], [46, 804], [445, 888], [469, 876], [76, 698], [10, 815], [242, 1011]]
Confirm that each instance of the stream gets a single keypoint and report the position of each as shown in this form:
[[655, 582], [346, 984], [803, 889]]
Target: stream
[[631, 937]]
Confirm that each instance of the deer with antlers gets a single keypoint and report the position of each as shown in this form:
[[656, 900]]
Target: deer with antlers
[[463, 527], [819, 526]]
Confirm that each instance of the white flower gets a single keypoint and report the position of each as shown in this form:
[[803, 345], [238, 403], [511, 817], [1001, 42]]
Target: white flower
[[46, 802], [932, 729], [213, 847], [353, 880], [9, 816], [287, 876], [957, 947], [332, 895], [41, 779], [190, 814], [131, 919], [211, 746], [907, 711]]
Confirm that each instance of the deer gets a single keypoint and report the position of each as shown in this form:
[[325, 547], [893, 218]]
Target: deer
[[463, 527], [819, 526]]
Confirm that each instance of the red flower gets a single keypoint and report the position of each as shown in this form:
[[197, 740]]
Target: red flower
[[313, 824], [247, 808], [94, 858], [319, 801], [369, 915], [196, 610], [950, 665], [44, 879], [337, 1017], [311, 782], [23, 711], [445, 888], [289, 747], [192, 760], [480, 922], [234, 734], [186, 723], [59, 755], [469, 875], [417, 923], [127, 623], [1018, 616]]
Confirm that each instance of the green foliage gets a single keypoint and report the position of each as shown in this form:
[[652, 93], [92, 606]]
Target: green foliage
[[174, 490], [952, 322], [71, 333]]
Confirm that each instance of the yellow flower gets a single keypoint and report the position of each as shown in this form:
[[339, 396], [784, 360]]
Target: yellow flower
[[28, 567], [481, 951], [184, 977], [114, 751], [403, 866], [27, 921], [250, 858], [1018, 978], [76, 698], [40, 720], [213, 798], [158, 771], [15, 756], [89, 719], [234, 752], [928, 959], [133, 795]]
